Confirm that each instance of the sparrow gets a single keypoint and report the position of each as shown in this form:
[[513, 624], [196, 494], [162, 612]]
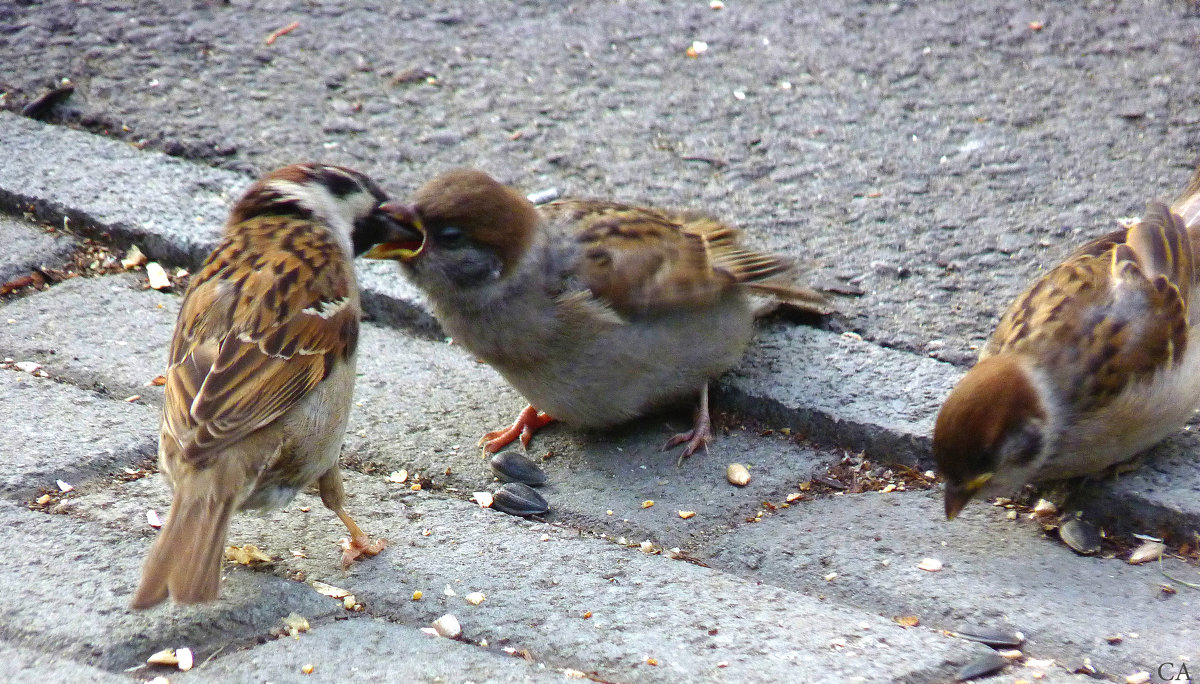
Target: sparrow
[[596, 312], [1097, 361], [261, 370]]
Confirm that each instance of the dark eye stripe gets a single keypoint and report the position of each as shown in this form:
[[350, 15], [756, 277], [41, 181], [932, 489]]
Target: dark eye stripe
[[339, 182]]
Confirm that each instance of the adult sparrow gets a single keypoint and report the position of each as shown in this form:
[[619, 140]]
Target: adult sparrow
[[261, 369], [595, 311], [1098, 360]]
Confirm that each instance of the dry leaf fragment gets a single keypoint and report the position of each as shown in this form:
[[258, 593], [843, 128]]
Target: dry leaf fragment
[[1148, 551], [157, 276], [794, 497], [158, 381], [930, 565], [329, 590], [907, 620], [246, 555]]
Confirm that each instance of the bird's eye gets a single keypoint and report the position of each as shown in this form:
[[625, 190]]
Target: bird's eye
[[451, 236]]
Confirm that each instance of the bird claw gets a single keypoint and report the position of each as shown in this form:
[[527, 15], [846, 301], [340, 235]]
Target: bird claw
[[528, 422], [352, 549], [695, 438]]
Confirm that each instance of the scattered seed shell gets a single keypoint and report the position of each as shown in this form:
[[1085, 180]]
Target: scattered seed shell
[[646, 546], [246, 555], [484, 499], [1148, 551], [1044, 508], [166, 657], [417, 595], [27, 366], [64, 487], [647, 503], [907, 620], [307, 668], [930, 565], [1080, 536], [329, 590], [157, 276], [996, 638], [447, 626], [133, 258], [475, 598], [516, 498], [687, 515], [43, 500], [153, 519], [982, 666], [511, 466], [398, 476], [1138, 678], [737, 474], [295, 623]]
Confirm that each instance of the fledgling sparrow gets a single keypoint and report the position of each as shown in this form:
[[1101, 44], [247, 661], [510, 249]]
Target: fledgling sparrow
[[597, 312], [261, 369], [1097, 361]]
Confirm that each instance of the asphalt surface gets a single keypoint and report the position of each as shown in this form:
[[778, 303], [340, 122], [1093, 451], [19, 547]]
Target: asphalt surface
[[934, 157]]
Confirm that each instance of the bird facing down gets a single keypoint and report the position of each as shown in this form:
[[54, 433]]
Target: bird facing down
[[596, 312], [261, 369], [1097, 361]]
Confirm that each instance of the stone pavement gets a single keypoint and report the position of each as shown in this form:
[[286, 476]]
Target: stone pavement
[[749, 589]]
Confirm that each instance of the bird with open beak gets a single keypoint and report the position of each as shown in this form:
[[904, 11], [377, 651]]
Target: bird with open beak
[[597, 312]]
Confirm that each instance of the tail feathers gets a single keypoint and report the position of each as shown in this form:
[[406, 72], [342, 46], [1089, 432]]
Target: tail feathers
[[185, 560], [1188, 203], [801, 298]]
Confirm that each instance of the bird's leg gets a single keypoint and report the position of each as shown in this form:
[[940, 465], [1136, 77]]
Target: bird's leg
[[700, 434], [528, 422], [334, 496]]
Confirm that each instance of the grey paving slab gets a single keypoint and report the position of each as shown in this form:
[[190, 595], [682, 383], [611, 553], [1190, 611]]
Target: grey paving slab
[[30, 665], [364, 649], [55, 431], [997, 573], [28, 246], [540, 580], [421, 405], [842, 390], [69, 596]]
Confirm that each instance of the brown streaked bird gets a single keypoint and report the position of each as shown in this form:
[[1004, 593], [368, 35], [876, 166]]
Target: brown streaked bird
[[597, 312], [1097, 361], [261, 370]]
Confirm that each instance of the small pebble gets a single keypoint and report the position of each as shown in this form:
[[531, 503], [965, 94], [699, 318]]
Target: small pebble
[[737, 474]]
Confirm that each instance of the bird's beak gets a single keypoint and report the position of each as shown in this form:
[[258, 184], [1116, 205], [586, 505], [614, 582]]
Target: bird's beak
[[406, 236], [958, 495]]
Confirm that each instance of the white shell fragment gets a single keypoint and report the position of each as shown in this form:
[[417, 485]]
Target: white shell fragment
[[449, 591], [64, 487], [1138, 678], [447, 626], [484, 499], [1044, 508], [475, 598], [185, 658], [153, 519], [737, 474], [157, 276], [1147, 552], [173, 657], [930, 565], [27, 366]]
